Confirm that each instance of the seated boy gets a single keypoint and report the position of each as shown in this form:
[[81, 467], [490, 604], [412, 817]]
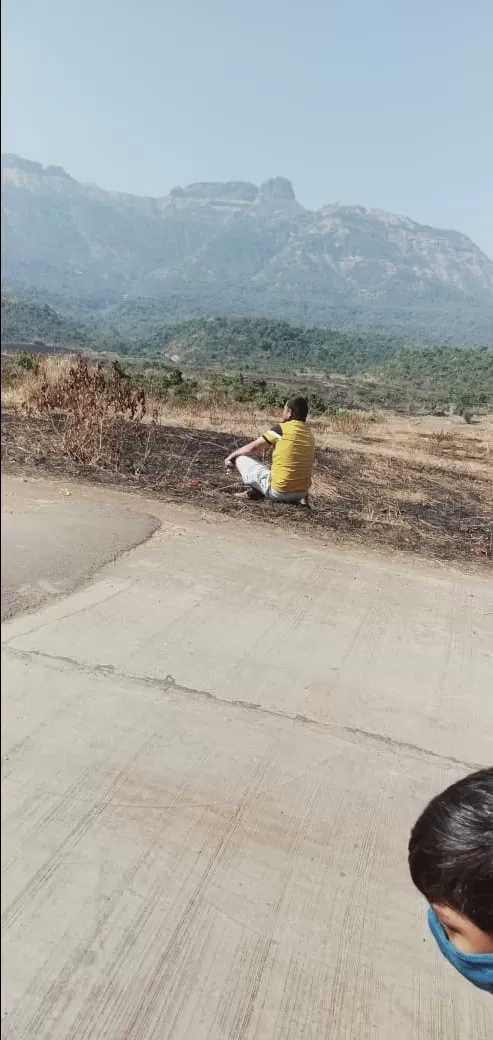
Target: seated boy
[[293, 453], [451, 862]]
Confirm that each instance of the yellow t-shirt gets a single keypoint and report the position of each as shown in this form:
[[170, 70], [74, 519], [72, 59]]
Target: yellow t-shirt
[[293, 453]]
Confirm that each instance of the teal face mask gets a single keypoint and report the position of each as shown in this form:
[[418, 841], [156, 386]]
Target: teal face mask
[[476, 967]]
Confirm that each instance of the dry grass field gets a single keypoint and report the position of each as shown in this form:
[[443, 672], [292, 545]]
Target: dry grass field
[[422, 485]]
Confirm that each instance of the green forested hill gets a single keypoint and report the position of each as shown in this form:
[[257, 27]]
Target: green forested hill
[[385, 371], [267, 343], [444, 374], [27, 322]]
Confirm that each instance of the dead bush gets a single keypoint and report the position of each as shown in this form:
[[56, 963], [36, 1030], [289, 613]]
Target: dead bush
[[352, 424], [96, 404], [440, 442]]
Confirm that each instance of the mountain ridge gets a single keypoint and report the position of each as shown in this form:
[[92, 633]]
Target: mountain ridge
[[275, 187], [236, 247]]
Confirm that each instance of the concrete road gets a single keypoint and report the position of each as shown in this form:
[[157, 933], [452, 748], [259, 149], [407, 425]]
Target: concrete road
[[50, 545], [213, 754]]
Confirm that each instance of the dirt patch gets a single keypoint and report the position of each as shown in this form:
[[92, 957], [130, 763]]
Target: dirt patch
[[370, 499], [444, 443]]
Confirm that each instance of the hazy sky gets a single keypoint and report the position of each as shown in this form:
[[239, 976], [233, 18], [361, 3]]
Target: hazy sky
[[383, 102]]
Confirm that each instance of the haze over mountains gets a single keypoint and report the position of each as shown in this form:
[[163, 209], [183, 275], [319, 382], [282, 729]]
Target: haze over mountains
[[235, 248]]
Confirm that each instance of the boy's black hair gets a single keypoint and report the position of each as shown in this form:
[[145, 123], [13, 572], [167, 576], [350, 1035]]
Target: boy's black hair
[[299, 408], [451, 849]]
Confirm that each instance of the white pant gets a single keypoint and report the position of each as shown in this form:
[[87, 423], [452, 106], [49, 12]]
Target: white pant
[[257, 476]]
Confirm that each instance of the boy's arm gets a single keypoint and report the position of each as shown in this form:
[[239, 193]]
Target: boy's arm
[[247, 449]]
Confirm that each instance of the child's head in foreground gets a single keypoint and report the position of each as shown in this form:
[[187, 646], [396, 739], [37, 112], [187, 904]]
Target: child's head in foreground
[[451, 862]]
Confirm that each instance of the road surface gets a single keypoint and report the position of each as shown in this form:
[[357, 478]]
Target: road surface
[[49, 548], [214, 749]]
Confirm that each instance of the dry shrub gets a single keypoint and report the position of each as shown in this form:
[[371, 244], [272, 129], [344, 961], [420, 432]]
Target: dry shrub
[[94, 406], [410, 495], [352, 424], [449, 445], [383, 513], [439, 442], [238, 420], [22, 386]]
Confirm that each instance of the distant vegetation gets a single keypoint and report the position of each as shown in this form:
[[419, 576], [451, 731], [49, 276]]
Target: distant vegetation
[[219, 389], [250, 343], [434, 376], [27, 322], [421, 386], [261, 360], [270, 344]]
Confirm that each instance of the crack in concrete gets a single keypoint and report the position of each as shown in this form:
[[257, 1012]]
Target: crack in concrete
[[169, 685]]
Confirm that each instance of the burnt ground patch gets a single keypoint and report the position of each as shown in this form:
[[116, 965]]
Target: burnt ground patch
[[372, 500]]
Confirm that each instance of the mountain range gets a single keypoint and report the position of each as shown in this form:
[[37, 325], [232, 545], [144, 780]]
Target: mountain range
[[235, 248]]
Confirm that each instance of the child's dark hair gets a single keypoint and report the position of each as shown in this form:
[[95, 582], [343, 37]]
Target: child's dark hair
[[451, 849], [299, 408]]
